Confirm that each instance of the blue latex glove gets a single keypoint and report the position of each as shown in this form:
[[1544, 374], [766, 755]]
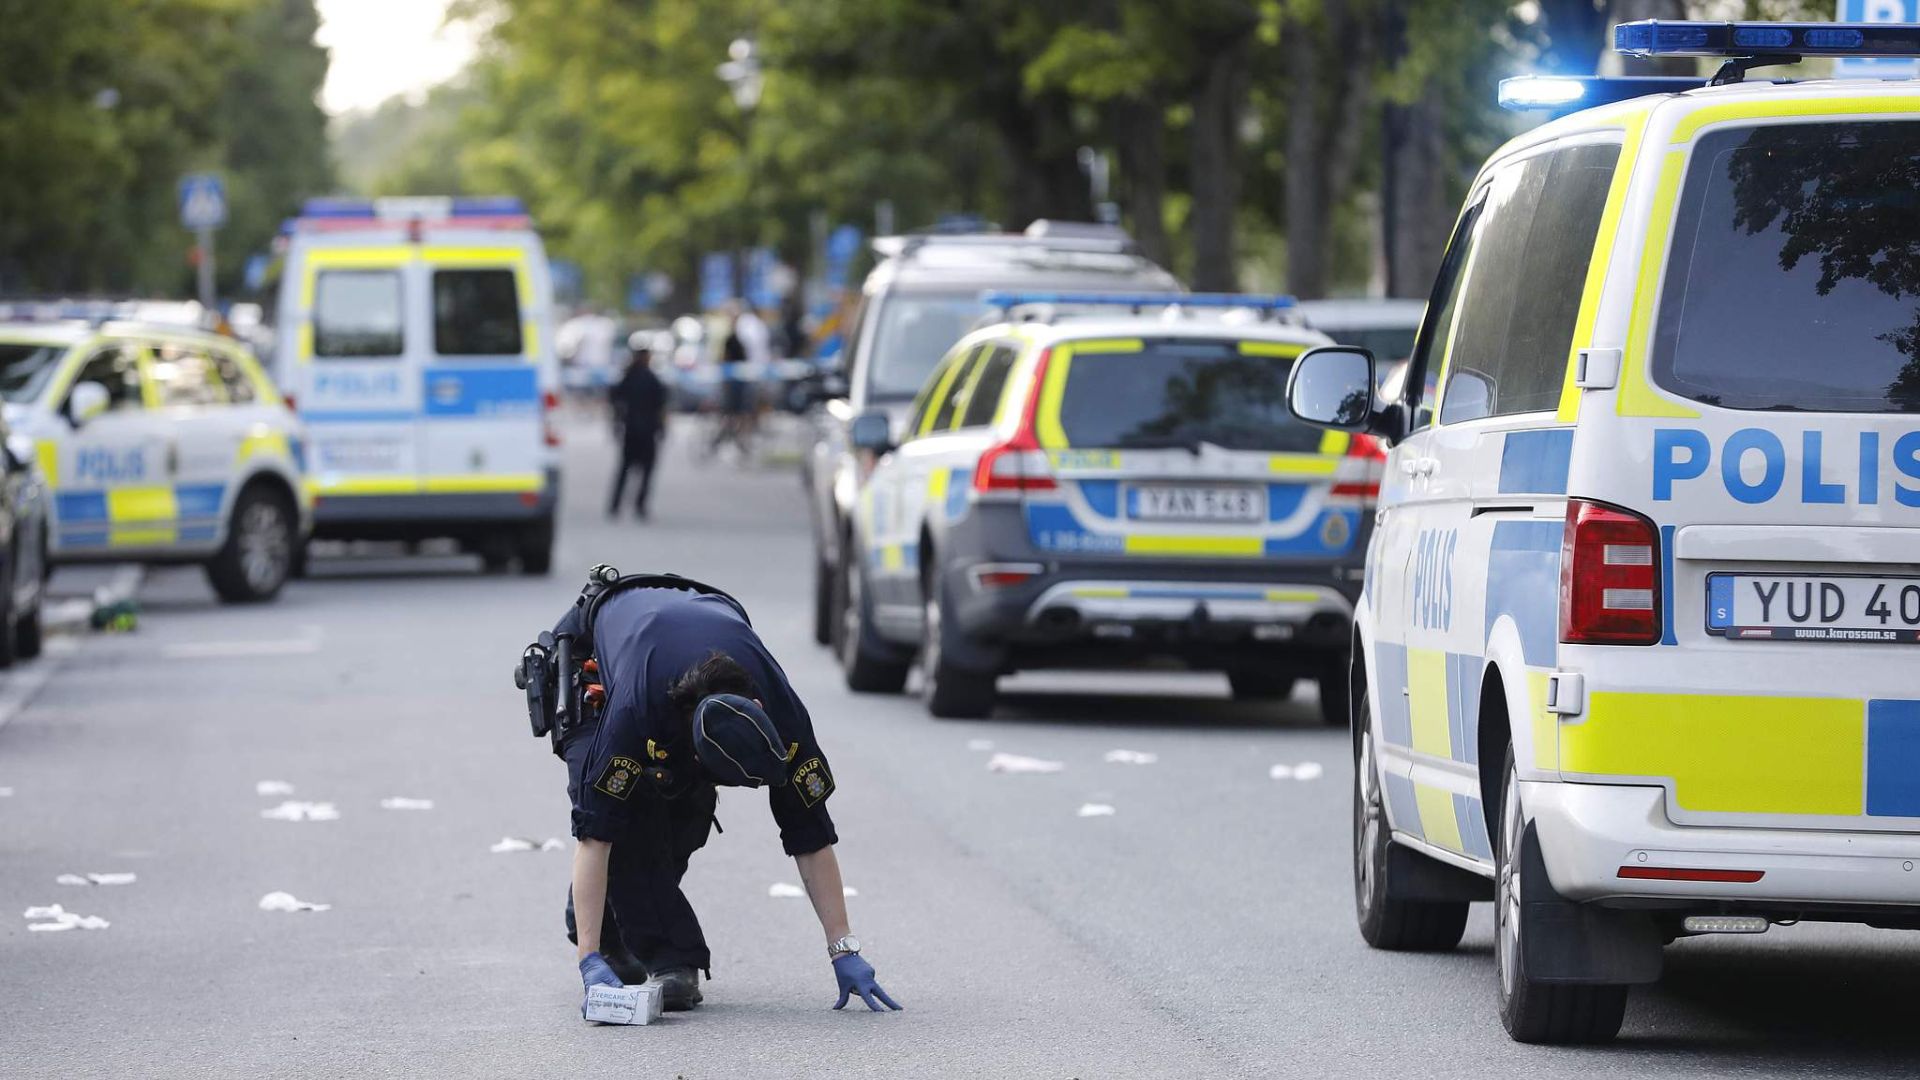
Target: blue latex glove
[[856, 977], [595, 972]]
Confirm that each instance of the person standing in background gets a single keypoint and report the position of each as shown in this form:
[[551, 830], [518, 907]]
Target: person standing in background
[[640, 419]]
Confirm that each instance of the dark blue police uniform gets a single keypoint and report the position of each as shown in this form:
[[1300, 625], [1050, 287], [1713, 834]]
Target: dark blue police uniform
[[634, 780]]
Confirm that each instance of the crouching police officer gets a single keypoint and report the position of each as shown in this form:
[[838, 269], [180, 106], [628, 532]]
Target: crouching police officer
[[672, 694]]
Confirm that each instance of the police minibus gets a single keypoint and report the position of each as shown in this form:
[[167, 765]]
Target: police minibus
[[416, 342], [1635, 654]]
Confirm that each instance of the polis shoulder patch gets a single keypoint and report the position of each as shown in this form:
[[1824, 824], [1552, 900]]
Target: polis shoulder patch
[[812, 781], [618, 778]]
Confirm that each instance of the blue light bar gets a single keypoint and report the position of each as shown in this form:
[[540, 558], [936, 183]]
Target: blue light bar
[[437, 208], [1001, 299], [1654, 37], [1562, 93]]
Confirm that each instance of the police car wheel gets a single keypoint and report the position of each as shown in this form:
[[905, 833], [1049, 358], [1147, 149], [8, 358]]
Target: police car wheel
[[823, 589], [1336, 695], [27, 635], [258, 555], [1387, 921], [1253, 685], [866, 663], [1535, 1012], [952, 693], [9, 626]]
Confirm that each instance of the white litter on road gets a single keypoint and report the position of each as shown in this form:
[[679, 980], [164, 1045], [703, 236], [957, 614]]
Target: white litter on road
[[279, 901], [273, 787], [1306, 770], [62, 919], [1014, 763], [848, 890], [781, 890], [95, 879], [1131, 757], [401, 802], [509, 844], [979, 744], [294, 810], [1095, 809], [6, 793]]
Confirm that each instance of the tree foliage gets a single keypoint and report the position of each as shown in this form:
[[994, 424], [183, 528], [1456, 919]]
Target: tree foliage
[[104, 104]]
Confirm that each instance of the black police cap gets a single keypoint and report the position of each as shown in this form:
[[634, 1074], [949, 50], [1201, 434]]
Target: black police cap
[[736, 743]]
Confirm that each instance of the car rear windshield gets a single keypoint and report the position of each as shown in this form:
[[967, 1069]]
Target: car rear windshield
[[915, 330], [1794, 282], [25, 369], [1180, 394]]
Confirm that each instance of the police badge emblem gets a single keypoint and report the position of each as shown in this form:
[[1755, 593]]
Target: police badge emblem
[[813, 781], [618, 777]]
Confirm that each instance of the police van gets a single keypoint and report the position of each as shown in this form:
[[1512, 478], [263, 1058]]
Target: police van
[[159, 444], [1081, 485], [1634, 657], [416, 340]]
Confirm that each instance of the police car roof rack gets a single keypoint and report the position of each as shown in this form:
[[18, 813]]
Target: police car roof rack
[[1046, 307]]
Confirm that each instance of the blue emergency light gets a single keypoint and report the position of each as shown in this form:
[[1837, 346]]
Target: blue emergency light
[[1568, 92], [1003, 299], [431, 207], [1655, 37]]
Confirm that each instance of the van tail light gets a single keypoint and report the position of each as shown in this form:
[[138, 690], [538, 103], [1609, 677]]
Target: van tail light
[[549, 402], [1609, 577], [1018, 464], [1366, 449]]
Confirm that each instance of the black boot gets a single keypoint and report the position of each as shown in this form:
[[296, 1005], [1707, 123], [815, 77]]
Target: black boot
[[680, 988]]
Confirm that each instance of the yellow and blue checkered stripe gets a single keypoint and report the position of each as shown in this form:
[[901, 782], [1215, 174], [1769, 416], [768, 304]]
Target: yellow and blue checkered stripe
[[1757, 754], [139, 516]]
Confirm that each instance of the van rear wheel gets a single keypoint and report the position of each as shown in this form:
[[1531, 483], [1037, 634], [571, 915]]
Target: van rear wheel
[[258, 556], [1531, 1011]]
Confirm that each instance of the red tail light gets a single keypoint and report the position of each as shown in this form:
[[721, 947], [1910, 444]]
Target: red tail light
[[1018, 464], [549, 401], [1609, 577], [1368, 449]]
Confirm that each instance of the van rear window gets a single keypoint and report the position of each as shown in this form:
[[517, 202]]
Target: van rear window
[[1794, 282], [1178, 394], [476, 313], [356, 313]]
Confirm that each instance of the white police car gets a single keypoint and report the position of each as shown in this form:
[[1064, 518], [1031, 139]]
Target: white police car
[[1635, 656], [1085, 486], [159, 444]]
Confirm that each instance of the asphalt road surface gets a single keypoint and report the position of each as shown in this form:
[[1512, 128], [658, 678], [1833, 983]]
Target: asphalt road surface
[[1204, 928]]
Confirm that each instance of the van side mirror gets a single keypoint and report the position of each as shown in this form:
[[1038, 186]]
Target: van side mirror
[[87, 401], [1332, 386], [872, 432]]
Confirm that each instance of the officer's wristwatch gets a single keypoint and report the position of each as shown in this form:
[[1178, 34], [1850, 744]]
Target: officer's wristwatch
[[846, 945]]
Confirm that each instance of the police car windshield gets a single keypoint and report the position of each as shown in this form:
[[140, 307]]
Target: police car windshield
[[24, 370], [1794, 282], [1180, 394], [915, 330]]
